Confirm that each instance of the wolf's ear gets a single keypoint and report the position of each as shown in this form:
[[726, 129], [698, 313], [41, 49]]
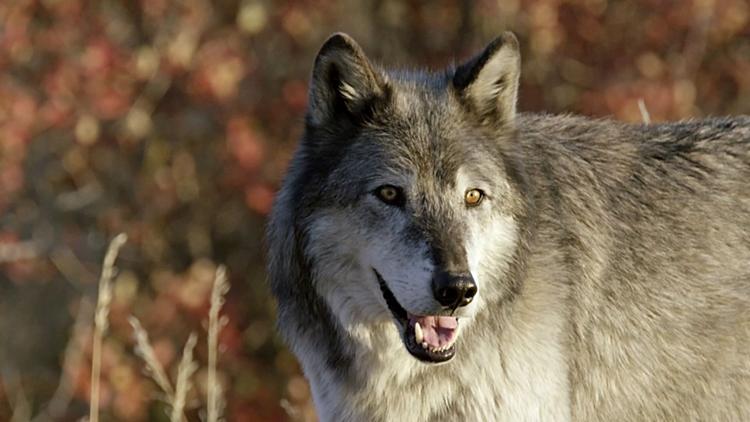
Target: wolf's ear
[[489, 81], [343, 81]]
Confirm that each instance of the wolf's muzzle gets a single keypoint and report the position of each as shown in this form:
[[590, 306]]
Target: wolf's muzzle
[[453, 290]]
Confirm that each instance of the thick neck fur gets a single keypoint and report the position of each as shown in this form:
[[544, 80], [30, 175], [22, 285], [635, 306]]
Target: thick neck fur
[[509, 366]]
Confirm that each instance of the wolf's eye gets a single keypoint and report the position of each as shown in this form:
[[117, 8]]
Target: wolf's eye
[[473, 197], [391, 195]]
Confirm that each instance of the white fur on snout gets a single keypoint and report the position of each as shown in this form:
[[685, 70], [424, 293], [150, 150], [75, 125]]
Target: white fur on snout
[[491, 238], [489, 250]]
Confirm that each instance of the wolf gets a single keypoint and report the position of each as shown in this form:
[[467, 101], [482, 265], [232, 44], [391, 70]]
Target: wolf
[[437, 255]]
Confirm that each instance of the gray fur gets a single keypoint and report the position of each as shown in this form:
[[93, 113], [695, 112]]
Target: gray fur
[[614, 280]]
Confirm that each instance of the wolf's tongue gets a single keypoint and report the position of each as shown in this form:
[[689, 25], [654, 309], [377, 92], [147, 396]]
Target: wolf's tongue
[[437, 331]]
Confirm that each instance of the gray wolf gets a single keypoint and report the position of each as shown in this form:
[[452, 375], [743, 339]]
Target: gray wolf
[[438, 256]]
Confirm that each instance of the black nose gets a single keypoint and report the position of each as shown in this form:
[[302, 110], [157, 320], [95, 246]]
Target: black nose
[[453, 290]]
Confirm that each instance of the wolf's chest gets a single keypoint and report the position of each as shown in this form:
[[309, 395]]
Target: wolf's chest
[[527, 382]]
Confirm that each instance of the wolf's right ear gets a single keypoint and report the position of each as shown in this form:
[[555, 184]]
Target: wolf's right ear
[[344, 83], [488, 83]]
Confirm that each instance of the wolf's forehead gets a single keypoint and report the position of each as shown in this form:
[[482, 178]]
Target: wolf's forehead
[[422, 117], [419, 135], [423, 133], [425, 101]]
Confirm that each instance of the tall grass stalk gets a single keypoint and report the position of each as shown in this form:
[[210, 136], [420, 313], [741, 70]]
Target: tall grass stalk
[[101, 322], [175, 397], [215, 400], [186, 370], [153, 368]]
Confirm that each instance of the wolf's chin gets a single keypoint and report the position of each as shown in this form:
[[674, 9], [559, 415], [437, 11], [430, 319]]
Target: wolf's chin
[[428, 338]]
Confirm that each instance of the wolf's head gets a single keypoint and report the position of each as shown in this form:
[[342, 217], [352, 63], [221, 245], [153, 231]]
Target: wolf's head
[[402, 203]]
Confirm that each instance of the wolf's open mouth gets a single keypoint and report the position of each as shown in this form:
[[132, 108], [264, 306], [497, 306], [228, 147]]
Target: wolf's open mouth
[[429, 338]]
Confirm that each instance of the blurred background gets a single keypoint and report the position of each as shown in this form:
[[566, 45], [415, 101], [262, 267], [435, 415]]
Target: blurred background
[[173, 121]]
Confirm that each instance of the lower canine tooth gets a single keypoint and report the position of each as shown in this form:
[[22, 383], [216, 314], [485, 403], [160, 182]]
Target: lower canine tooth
[[418, 335], [424, 344]]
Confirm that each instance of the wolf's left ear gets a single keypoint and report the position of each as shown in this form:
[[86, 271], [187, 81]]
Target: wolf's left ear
[[344, 83], [489, 81]]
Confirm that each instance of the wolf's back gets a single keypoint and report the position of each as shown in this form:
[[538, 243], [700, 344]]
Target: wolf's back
[[654, 223]]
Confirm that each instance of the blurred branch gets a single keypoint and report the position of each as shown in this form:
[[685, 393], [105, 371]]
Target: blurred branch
[[465, 32], [180, 47], [10, 252], [79, 198], [12, 385], [22, 409], [697, 39], [72, 359], [71, 268]]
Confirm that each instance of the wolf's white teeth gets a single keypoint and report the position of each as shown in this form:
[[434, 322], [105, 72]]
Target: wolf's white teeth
[[418, 335], [424, 345]]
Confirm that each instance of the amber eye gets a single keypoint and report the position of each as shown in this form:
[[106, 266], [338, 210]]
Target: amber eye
[[391, 195], [473, 197]]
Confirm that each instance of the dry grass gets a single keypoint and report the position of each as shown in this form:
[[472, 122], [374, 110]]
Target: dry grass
[[185, 370], [101, 322], [645, 116], [153, 368], [215, 400], [175, 396]]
